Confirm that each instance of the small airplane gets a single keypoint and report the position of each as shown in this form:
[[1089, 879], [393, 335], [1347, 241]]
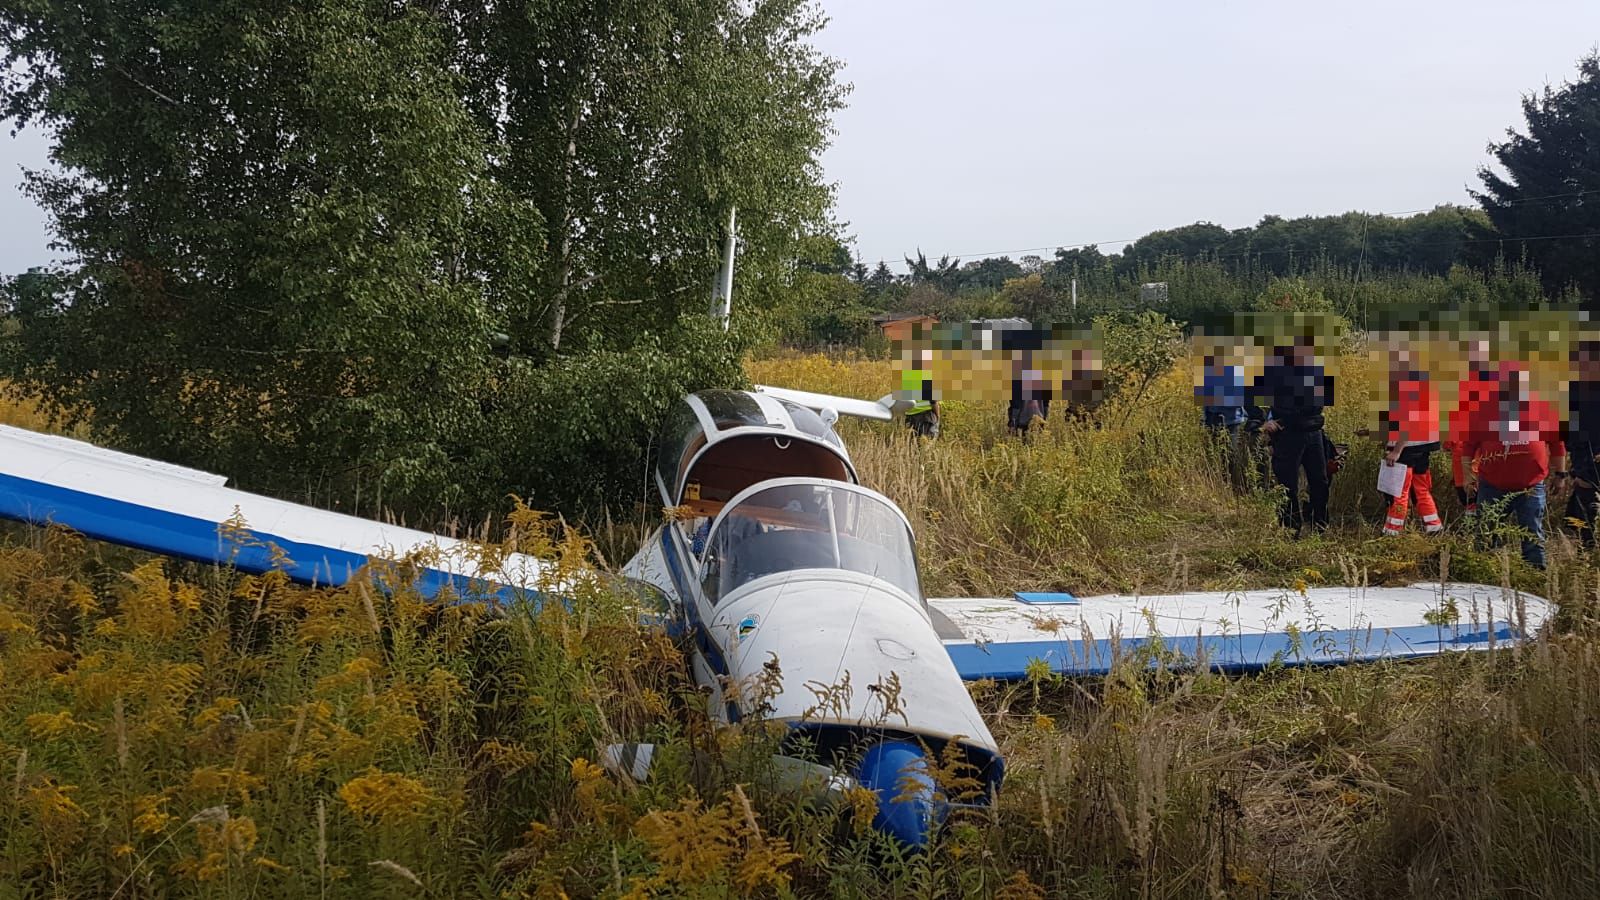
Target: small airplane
[[777, 567], [794, 587]]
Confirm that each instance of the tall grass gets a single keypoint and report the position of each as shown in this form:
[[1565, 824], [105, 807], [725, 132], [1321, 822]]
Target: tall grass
[[176, 730]]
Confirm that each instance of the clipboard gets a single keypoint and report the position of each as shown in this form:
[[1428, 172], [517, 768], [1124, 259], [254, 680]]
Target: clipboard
[[1392, 478]]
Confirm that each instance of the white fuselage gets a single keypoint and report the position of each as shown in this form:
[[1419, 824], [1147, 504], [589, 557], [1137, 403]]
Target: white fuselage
[[848, 649]]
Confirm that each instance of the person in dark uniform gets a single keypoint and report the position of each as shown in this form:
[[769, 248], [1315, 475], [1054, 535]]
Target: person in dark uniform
[[1297, 390], [1583, 440]]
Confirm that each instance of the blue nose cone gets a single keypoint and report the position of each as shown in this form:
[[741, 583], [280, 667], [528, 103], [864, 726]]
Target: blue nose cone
[[909, 807]]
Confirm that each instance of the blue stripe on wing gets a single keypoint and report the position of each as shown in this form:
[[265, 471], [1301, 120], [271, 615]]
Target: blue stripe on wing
[[186, 537], [1229, 653]]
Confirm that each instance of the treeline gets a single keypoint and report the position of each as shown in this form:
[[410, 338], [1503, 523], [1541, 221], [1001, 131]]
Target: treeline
[[840, 311], [1349, 263], [420, 255]]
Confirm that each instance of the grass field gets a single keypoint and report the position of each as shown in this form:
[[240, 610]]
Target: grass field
[[175, 730]]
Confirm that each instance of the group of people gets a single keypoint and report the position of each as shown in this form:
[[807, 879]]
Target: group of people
[[1030, 396], [1505, 443]]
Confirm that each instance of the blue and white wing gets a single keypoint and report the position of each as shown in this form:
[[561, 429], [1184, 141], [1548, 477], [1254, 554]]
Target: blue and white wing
[[1239, 631], [186, 513]]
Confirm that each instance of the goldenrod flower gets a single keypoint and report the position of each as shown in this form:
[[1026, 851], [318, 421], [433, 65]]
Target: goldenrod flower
[[386, 797], [49, 726], [150, 815]]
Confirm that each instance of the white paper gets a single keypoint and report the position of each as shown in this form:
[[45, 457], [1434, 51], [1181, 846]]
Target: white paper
[[1392, 478]]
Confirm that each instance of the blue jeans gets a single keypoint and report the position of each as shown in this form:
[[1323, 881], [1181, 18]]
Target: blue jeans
[[1526, 508]]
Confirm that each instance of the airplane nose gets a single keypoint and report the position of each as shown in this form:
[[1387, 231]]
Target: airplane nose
[[909, 807]]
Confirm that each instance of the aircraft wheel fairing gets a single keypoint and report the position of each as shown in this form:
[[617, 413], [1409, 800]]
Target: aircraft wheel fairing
[[909, 808]]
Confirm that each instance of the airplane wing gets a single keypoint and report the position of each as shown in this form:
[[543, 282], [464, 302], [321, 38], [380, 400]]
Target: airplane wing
[[167, 509], [1239, 631], [881, 410]]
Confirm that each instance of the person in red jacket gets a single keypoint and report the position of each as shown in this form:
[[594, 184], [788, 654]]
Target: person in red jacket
[[1472, 393], [1411, 428], [1516, 444]]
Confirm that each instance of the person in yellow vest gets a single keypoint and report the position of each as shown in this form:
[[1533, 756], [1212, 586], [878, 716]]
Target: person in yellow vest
[[916, 385]]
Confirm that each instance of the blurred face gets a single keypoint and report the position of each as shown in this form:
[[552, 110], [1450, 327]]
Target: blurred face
[[1478, 352]]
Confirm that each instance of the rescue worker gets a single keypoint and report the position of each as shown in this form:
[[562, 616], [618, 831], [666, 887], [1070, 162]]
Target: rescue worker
[[1221, 394], [1411, 430], [922, 417], [1583, 440], [1297, 390], [1030, 395], [1515, 447], [1472, 393]]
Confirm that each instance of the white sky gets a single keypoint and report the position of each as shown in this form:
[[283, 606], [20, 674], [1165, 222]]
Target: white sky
[[1002, 125], [1005, 124]]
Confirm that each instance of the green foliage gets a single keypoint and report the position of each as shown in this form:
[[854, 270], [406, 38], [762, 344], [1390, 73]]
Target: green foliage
[[300, 228], [1138, 350], [269, 209], [633, 129], [573, 434], [1550, 182]]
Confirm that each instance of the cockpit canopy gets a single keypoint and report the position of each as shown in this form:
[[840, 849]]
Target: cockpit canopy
[[804, 524], [716, 443]]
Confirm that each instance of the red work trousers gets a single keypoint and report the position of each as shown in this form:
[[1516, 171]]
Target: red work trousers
[[1419, 485]]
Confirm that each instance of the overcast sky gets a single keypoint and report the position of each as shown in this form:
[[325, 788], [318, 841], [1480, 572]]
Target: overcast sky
[[1007, 125]]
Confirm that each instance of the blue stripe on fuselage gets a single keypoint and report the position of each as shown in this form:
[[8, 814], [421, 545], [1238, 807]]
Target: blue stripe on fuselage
[[187, 537]]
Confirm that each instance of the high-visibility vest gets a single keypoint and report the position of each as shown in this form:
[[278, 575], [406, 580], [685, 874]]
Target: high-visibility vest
[[1414, 412], [914, 382]]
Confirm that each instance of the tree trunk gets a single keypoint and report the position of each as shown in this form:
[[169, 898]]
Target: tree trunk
[[558, 312]]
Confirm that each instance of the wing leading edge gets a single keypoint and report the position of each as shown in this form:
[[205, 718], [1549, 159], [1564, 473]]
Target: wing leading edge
[[155, 506]]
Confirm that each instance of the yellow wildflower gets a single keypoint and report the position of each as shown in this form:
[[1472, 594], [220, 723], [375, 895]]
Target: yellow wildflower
[[357, 671], [55, 811], [213, 714], [49, 726], [187, 597], [386, 797], [82, 599], [584, 771], [1020, 887], [271, 865], [210, 779], [537, 834], [149, 815], [147, 609], [507, 758], [11, 623]]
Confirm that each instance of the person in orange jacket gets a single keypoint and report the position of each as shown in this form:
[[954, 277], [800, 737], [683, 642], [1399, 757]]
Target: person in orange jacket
[[1411, 427], [1472, 394]]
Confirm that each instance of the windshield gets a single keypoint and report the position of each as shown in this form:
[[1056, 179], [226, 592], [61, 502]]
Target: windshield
[[809, 526]]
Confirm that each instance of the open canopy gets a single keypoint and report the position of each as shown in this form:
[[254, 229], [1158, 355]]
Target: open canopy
[[716, 443], [798, 524]]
